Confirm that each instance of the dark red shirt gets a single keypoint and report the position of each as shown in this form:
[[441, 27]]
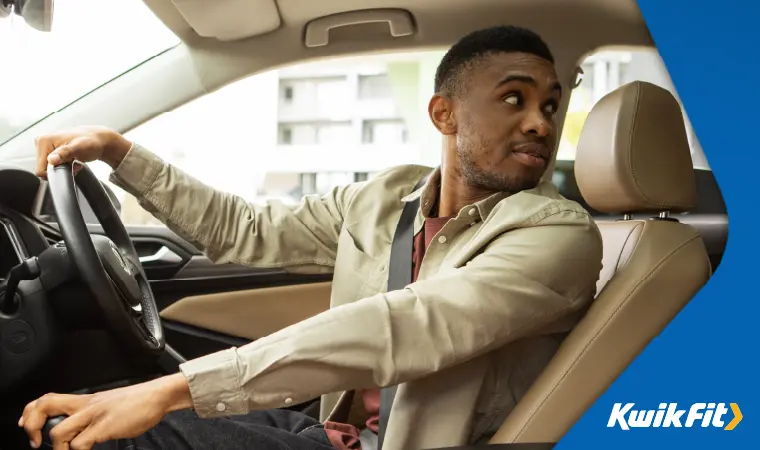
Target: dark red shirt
[[342, 435]]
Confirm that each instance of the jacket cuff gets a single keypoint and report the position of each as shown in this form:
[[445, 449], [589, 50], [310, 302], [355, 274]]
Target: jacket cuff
[[215, 384], [137, 171]]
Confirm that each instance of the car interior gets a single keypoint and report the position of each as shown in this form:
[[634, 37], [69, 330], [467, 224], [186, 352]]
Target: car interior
[[663, 222]]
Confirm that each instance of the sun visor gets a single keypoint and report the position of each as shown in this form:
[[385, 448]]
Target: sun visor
[[229, 20]]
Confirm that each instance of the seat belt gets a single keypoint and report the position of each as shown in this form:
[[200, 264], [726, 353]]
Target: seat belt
[[399, 276]]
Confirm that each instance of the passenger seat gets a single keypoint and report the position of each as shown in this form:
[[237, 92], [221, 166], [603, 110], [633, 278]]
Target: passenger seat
[[633, 158]]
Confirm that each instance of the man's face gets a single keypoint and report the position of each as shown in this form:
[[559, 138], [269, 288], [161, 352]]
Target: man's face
[[505, 128]]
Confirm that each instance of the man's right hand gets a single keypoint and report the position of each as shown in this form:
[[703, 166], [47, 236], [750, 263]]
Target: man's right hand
[[83, 144]]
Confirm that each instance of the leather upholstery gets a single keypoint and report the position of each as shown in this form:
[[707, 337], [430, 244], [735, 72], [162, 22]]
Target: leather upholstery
[[633, 158], [633, 154]]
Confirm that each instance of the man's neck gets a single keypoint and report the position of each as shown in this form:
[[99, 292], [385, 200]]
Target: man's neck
[[455, 193]]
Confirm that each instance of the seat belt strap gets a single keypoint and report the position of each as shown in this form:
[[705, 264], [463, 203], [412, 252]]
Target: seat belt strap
[[399, 276]]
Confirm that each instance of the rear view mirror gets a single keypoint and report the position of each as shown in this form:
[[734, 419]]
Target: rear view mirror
[[38, 14]]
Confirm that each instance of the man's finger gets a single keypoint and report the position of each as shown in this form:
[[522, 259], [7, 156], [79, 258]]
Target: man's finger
[[62, 154], [63, 433], [48, 406], [87, 438]]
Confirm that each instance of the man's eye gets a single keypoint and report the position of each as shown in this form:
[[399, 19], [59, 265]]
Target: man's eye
[[550, 108], [512, 99]]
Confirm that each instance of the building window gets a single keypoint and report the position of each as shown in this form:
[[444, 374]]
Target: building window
[[384, 132], [314, 133], [309, 92], [361, 176], [375, 87], [286, 135]]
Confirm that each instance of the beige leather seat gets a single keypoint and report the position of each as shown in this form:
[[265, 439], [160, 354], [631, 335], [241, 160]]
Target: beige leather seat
[[633, 158]]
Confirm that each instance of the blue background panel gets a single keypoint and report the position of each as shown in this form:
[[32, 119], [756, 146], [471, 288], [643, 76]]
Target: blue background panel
[[710, 352]]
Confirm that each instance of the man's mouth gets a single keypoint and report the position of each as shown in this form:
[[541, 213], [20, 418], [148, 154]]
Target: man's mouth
[[533, 154]]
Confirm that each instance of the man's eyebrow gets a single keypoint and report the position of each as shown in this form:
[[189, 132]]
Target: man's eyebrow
[[517, 77], [524, 78]]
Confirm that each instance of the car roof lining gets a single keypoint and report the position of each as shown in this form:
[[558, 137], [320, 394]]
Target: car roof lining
[[585, 26]]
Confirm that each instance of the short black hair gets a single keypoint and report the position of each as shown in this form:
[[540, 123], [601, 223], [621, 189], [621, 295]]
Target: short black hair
[[449, 77]]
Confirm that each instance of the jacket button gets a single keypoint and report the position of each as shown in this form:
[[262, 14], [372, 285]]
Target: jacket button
[[221, 407], [288, 401], [442, 239], [472, 211]]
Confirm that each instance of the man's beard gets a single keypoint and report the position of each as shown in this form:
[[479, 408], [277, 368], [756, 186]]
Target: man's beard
[[491, 180]]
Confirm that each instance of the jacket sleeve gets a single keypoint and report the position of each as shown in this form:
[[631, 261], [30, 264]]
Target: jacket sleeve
[[524, 281], [229, 229]]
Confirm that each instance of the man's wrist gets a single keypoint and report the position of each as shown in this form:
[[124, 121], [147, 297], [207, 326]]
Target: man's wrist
[[177, 392], [117, 148]]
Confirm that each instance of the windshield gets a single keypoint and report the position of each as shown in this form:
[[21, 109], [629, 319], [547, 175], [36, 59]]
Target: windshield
[[92, 41]]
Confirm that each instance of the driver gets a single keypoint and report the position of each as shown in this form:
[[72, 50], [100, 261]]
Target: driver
[[503, 266]]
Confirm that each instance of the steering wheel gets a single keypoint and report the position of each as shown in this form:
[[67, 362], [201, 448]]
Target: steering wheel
[[109, 265]]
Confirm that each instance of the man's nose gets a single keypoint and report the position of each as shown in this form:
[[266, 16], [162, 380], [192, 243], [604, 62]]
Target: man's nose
[[535, 123]]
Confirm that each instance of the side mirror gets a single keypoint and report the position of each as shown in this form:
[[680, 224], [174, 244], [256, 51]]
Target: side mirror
[[38, 14]]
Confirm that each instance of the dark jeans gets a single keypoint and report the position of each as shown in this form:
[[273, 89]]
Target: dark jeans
[[265, 430]]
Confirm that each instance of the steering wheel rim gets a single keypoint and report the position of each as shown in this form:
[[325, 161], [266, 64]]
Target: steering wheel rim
[[109, 265]]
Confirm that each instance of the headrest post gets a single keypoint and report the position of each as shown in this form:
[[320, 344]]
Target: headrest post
[[664, 214], [627, 216]]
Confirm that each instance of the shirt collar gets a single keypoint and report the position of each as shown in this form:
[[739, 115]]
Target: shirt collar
[[428, 193]]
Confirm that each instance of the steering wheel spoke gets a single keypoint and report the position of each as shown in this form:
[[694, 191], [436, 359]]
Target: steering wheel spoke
[[109, 264]]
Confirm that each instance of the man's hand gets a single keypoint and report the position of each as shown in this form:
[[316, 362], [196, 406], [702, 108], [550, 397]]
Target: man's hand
[[84, 144], [96, 418]]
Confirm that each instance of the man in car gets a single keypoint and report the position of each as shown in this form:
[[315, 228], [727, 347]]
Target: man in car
[[503, 266]]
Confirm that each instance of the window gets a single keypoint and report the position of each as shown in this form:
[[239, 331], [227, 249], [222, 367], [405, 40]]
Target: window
[[82, 27], [313, 133], [312, 95], [375, 87], [361, 176], [603, 72], [288, 93], [286, 134], [306, 134], [384, 132]]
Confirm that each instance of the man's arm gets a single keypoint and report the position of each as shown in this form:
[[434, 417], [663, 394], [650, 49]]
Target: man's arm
[[226, 227], [229, 229], [525, 280]]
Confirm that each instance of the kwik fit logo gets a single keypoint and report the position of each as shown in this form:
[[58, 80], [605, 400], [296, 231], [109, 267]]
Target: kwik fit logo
[[669, 415]]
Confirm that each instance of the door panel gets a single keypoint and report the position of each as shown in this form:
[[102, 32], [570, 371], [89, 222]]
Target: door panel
[[251, 314], [208, 307]]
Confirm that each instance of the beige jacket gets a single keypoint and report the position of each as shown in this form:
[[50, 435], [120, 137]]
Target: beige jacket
[[498, 287]]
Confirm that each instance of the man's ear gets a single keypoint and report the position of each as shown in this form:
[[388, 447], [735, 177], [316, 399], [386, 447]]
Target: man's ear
[[441, 111]]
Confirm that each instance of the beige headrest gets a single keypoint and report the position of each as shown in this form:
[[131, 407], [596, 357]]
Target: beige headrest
[[633, 154]]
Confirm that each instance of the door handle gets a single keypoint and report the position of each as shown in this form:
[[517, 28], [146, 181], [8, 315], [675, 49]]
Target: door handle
[[162, 257]]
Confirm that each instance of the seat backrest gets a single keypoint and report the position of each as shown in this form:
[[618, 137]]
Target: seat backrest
[[633, 158]]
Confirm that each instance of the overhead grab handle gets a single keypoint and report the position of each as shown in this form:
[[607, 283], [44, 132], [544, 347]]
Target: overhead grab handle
[[318, 30]]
